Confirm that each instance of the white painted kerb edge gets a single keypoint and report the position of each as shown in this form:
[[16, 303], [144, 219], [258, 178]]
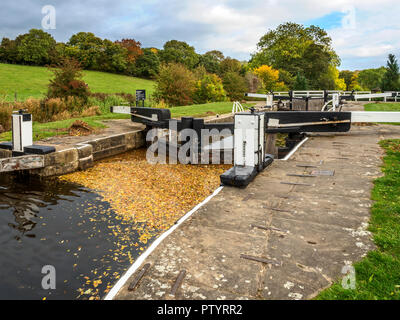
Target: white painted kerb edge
[[121, 282], [295, 150]]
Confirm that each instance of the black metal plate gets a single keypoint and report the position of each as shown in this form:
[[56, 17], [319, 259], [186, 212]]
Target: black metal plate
[[37, 149], [162, 114], [6, 145], [309, 116]]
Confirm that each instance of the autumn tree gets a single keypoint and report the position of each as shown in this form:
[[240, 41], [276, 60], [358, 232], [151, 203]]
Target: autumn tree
[[209, 89], [269, 78], [349, 78], [68, 81], [175, 84], [295, 48], [133, 48]]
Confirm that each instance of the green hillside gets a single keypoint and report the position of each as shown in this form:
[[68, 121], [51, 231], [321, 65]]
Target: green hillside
[[28, 81]]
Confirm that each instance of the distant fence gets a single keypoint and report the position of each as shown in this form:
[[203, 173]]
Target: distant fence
[[358, 95], [315, 100]]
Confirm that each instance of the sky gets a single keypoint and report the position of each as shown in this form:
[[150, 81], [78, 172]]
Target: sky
[[364, 32]]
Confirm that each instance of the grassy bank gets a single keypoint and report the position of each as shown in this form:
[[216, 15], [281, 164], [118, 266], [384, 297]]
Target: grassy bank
[[378, 275], [382, 107], [29, 81], [46, 130], [203, 110]]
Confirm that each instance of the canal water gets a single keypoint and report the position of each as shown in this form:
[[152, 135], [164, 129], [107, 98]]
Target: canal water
[[61, 224]]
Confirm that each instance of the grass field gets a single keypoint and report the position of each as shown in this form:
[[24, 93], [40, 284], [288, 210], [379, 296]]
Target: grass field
[[378, 275], [382, 107], [203, 110], [28, 81]]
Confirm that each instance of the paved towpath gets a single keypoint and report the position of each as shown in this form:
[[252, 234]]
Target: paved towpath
[[308, 228]]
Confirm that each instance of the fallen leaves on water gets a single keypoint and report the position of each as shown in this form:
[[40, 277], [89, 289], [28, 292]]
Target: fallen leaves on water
[[156, 195], [148, 199]]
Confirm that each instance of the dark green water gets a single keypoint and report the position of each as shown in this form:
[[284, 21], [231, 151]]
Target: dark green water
[[66, 226]]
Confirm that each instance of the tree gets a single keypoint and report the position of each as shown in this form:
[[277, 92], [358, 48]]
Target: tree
[[230, 65], [316, 67], [8, 51], [175, 85], [235, 86], [301, 82], [349, 78], [148, 64], [390, 81], [371, 79], [86, 48], [211, 60], [295, 48], [113, 57], [179, 52], [269, 78], [35, 47], [68, 81], [286, 78], [133, 48], [209, 89]]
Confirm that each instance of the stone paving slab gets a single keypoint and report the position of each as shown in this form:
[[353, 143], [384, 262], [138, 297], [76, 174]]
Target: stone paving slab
[[310, 232]]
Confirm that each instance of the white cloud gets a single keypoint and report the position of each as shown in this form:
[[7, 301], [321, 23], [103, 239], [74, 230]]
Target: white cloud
[[232, 26], [237, 29]]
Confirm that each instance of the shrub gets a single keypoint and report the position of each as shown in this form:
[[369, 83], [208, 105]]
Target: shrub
[[91, 111], [56, 108], [209, 89], [235, 86], [175, 85], [5, 115], [160, 105], [68, 81]]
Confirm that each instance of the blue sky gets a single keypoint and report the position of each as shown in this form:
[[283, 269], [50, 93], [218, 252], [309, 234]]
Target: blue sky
[[363, 31], [327, 22]]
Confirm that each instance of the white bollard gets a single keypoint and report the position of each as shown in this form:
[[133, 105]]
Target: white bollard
[[21, 130]]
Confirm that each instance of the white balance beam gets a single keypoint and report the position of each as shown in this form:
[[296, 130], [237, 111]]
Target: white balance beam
[[373, 116], [121, 110]]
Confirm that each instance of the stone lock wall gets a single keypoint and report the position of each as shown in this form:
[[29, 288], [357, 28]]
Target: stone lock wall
[[83, 155]]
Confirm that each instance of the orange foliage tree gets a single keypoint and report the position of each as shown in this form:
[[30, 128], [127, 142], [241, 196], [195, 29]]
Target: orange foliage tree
[[133, 47]]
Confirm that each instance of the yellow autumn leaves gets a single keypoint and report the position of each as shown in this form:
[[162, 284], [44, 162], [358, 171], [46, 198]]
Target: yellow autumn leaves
[[153, 195], [269, 78]]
